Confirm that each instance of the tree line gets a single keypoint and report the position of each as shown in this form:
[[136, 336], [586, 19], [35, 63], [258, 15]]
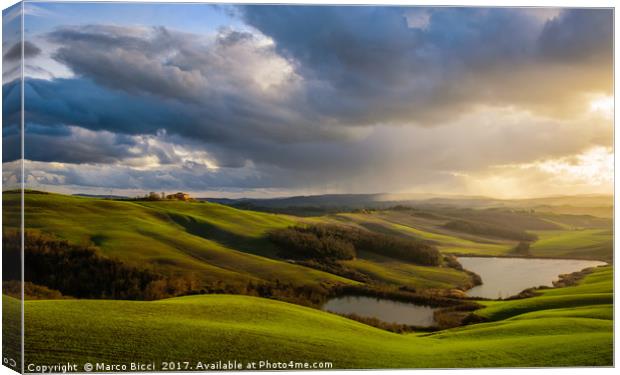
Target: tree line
[[55, 268], [329, 243], [490, 230], [83, 272]]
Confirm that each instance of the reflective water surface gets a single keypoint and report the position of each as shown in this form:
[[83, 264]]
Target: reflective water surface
[[505, 277], [383, 309]]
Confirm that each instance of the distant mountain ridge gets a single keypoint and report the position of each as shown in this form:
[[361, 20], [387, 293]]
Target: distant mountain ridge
[[598, 205], [379, 199]]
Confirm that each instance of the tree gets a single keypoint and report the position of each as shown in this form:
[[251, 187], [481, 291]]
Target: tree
[[523, 248]]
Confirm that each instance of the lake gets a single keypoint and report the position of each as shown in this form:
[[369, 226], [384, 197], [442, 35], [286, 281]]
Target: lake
[[383, 309], [501, 277], [505, 277]]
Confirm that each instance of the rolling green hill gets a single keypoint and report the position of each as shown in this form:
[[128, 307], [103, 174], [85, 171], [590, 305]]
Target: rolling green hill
[[560, 327], [594, 290], [578, 244], [425, 229], [217, 243], [391, 271], [213, 242], [575, 236], [139, 234], [570, 326]]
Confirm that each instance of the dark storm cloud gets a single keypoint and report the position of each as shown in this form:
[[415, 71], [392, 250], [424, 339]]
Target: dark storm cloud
[[125, 58], [224, 81], [81, 102], [65, 145], [233, 132], [386, 70], [295, 101], [346, 46], [52, 106], [15, 51], [11, 104], [11, 122], [70, 150], [355, 65], [579, 35], [203, 93]]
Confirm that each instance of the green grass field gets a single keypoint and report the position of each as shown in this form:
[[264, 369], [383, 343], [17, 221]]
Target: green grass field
[[569, 326], [572, 242], [214, 242], [578, 244], [446, 241], [594, 290], [390, 271], [211, 241], [562, 327]]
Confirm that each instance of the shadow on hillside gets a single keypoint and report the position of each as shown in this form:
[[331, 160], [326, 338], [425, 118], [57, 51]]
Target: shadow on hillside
[[374, 227], [258, 246]]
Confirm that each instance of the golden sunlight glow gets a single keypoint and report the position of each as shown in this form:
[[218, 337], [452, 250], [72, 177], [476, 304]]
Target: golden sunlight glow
[[603, 105], [595, 166], [591, 171]]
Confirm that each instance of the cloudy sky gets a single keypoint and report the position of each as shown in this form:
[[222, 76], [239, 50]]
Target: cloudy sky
[[282, 100]]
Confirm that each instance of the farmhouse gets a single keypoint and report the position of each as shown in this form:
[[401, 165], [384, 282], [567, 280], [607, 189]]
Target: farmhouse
[[179, 196]]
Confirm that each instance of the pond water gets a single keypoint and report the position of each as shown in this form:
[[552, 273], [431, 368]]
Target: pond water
[[505, 277], [383, 309]]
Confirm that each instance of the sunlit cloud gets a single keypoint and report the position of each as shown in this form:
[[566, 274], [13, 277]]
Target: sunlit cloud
[[591, 171], [595, 166], [603, 105]]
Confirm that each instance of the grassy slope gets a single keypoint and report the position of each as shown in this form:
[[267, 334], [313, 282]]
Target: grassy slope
[[569, 243], [448, 242], [594, 290], [391, 271], [538, 332], [583, 244], [170, 236], [217, 242], [606, 211], [212, 241], [595, 243]]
